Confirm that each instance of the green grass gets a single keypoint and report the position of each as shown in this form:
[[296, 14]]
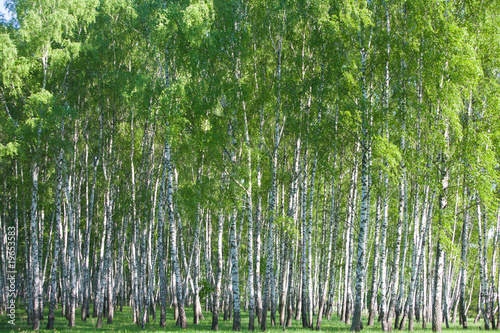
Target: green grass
[[122, 322]]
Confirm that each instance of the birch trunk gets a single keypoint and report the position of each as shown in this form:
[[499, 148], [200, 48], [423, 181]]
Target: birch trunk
[[218, 280], [207, 257], [88, 228], [399, 305], [383, 256], [35, 264], [351, 209], [161, 242], [235, 274], [293, 213], [173, 234], [99, 297], [196, 268], [283, 270], [270, 284], [258, 226], [372, 307], [310, 289], [437, 314], [483, 257], [418, 238], [109, 253], [384, 313], [418, 257], [249, 206], [71, 250], [58, 231], [331, 254], [119, 279], [304, 257], [397, 254], [364, 223]]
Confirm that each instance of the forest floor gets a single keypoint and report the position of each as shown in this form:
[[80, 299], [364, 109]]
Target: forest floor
[[123, 323]]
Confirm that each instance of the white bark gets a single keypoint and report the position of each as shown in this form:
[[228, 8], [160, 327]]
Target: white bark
[[463, 262], [71, 249], [376, 258], [249, 207], [196, 268], [58, 231], [86, 245], [270, 285], [173, 234], [418, 257], [304, 234], [218, 279], [35, 264], [331, 250], [235, 274], [99, 297], [483, 266], [397, 253], [365, 205]]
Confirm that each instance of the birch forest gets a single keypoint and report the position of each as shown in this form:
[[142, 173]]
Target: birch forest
[[269, 163]]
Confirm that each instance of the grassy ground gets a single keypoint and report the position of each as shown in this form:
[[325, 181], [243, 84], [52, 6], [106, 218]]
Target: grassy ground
[[123, 323]]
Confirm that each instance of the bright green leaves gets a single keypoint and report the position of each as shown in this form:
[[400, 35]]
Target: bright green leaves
[[52, 21], [49, 39], [35, 62], [288, 225], [12, 67], [10, 149], [37, 110], [197, 20], [11, 74], [389, 153], [8, 57]]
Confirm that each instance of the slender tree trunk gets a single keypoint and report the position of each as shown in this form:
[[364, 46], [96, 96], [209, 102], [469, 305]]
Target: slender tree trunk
[[397, 253], [437, 314], [372, 307], [109, 252], [483, 258], [251, 292], [71, 251], [365, 203], [310, 289], [270, 284], [173, 234], [217, 291], [463, 262], [384, 311], [196, 268], [293, 214], [383, 256], [258, 226], [99, 296], [235, 274], [58, 231], [86, 245], [283, 273], [351, 212], [419, 257], [35, 264], [331, 254], [399, 305], [304, 257], [249, 206]]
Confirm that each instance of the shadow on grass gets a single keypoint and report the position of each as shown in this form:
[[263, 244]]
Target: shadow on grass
[[122, 322]]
